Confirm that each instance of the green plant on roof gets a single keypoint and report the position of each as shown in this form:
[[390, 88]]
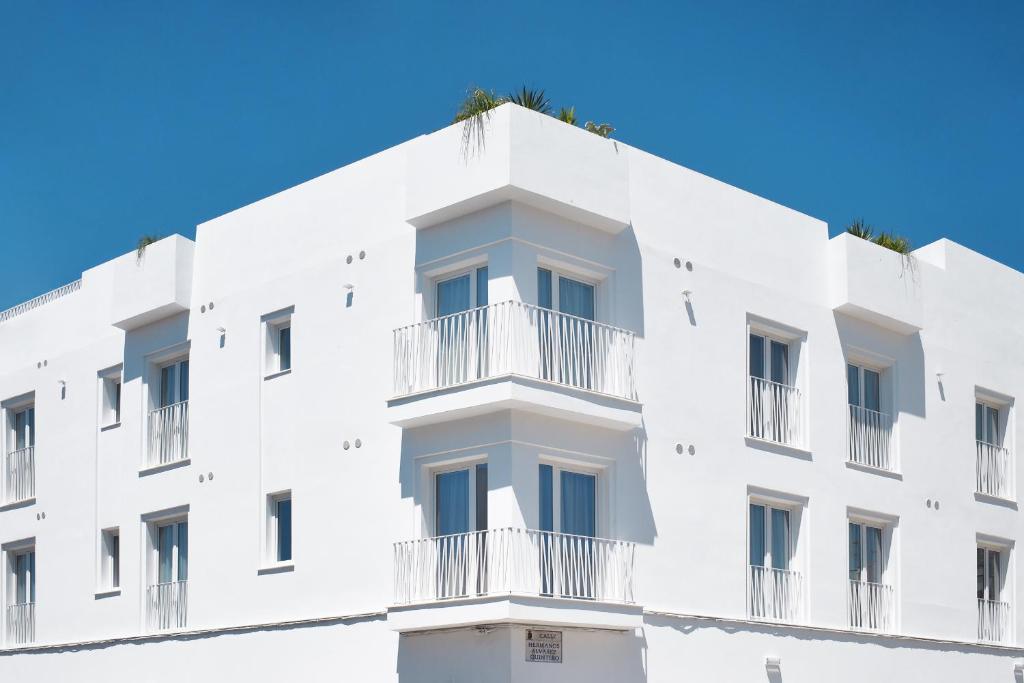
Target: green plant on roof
[[889, 240], [145, 241]]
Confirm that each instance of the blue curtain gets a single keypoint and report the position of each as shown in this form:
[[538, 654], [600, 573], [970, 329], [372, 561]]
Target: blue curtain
[[780, 539], [165, 552], [874, 553], [547, 514], [853, 385], [481, 497], [284, 530], [780, 363], [872, 391], [756, 356], [854, 552], [453, 296], [576, 298], [481, 286], [757, 535], [183, 381], [543, 288], [182, 551], [452, 503], [579, 497]]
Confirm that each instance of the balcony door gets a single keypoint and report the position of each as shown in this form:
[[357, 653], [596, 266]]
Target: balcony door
[[174, 383], [863, 388], [568, 507], [25, 578], [866, 554], [567, 340], [460, 508], [172, 552], [986, 424], [24, 428], [461, 327]]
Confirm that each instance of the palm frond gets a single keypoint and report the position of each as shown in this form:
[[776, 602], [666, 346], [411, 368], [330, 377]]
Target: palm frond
[[145, 241], [475, 111], [567, 115], [531, 98], [858, 228]]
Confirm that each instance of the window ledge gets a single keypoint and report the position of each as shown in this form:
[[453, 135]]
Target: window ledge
[[276, 568], [14, 505], [874, 470], [154, 469], [279, 373], [109, 427], [780, 448], [995, 500], [107, 593]]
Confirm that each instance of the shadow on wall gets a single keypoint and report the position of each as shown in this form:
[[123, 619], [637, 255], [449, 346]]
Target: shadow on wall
[[498, 654]]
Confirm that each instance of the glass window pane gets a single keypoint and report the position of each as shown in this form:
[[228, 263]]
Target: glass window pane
[[481, 497], [757, 545], [115, 560], [576, 298], [31, 438], [183, 381], [544, 288], [182, 551], [981, 573], [20, 429], [453, 296], [285, 348], [166, 386], [165, 551], [452, 501], [481, 286], [872, 391], [874, 554], [780, 539], [994, 570], [117, 402], [853, 385], [780, 362], [284, 529], [32, 576], [579, 504], [757, 356], [992, 424], [21, 579], [979, 422], [855, 552], [546, 495]]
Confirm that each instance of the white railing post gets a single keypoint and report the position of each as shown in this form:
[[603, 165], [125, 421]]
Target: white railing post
[[20, 475], [168, 434], [21, 624], [870, 606], [994, 625], [167, 606], [512, 337], [775, 412], [513, 561], [774, 594], [994, 471], [870, 439]]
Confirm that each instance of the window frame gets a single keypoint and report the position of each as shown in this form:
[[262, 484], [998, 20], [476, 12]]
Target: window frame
[[14, 574], [110, 559], [174, 523], [473, 493], [1001, 572], [111, 385], [272, 553], [559, 466], [473, 271]]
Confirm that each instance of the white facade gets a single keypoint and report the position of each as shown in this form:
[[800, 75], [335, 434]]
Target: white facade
[[671, 420]]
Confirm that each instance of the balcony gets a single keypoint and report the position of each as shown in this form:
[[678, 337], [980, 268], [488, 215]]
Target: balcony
[[167, 606], [20, 475], [994, 471], [994, 622], [775, 594], [871, 606], [153, 286], [514, 575], [21, 624], [559, 364], [775, 413], [870, 439], [168, 435]]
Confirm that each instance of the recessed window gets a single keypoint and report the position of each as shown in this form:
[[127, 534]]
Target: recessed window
[[19, 461], [111, 558], [775, 403], [775, 585], [21, 600], [277, 343], [110, 399], [279, 527]]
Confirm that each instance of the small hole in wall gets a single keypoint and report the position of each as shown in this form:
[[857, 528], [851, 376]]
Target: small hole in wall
[[689, 266], [362, 255], [210, 476], [928, 502], [44, 363], [691, 450], [359, 443], [345, 445], [348, 259], [202, 309], [39, 364], [936, 505], [201, 479], [211, 306], [677, 262], [679, 448]]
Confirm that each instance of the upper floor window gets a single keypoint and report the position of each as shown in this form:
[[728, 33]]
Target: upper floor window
[[24, 428], [168, 421], [21, 599], [110, 398], [994, 464], [769, 359], [279, 529], [869, 424], [987, 424], [167, 593], [110, 566], [568, 500], [174, 383], [774, 586], [565, 294], [461, 292], [18, 474], [460, 500], [995, 622], [863, 387], [277, 344], [24, 577], [869, 596], [770, 543], [775, 405]]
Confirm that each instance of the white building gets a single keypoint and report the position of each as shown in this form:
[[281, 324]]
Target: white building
[[666, 430]]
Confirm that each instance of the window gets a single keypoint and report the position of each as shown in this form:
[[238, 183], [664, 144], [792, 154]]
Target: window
[[866, 553], [774, 403], [990, 574], [769, 359], [987, 424], [110, 399], [110, 541], [564, 294], [279, 527], [172, 552], [461, 292], [277, 342], [770, 541], [24, 570], [174, 383], [863, 387], [460, 500], [24, 424], [568, 500]]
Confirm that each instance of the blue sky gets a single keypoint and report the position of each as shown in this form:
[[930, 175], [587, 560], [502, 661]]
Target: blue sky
[[124, 118]]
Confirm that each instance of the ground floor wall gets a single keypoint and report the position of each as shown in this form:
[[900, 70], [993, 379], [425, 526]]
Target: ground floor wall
[[668, 648]]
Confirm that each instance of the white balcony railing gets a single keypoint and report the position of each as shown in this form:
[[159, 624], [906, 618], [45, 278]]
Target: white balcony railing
[[994, 469], [871, 606], [870, 437], [775, 594], [993, 621], [514, 338], [21, 624], [775, 412], [514, 561], [20, 475], [168, 434], [167, 606]]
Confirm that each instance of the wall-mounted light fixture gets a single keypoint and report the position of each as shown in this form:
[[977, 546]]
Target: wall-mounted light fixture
[[688, 296], [63, 389], [773, 665]]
